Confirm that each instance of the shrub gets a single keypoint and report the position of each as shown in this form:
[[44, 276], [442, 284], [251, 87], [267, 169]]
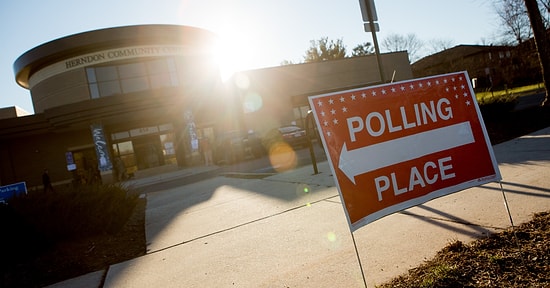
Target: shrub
[[497, 107], [19, 240], [39, 219]]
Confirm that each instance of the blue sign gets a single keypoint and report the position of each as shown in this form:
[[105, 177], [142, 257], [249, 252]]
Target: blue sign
[[69, 157], [71, 166], [12, 190]]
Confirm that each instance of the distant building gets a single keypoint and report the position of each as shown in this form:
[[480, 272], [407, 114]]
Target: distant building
[[490, 67], [144, 95], [11, 112], [283, 90]]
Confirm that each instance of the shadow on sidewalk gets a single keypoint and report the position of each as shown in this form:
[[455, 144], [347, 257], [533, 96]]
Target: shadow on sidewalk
[[515, 191], [522, 150], [475, 230]]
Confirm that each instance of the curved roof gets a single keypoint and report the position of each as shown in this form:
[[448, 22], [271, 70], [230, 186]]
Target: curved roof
[[86, 42]]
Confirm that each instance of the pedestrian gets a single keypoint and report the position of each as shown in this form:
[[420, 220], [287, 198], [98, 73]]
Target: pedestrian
[[206, 150], [120, 169], [46, 181]]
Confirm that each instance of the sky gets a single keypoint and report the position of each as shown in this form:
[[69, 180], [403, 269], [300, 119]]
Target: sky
[[255, 33]]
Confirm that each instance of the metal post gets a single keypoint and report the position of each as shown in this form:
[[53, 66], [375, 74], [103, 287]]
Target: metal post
[[374, 39], [309, 120]]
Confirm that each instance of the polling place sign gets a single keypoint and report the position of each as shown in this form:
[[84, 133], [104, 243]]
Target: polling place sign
[[397, 145]]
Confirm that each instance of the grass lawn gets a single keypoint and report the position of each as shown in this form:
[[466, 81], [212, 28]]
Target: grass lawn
[[484, 97]]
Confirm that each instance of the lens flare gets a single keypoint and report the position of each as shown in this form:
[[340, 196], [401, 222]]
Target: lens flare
[[252, 102], [242, 81], [333, 241], [331, 237], [282, 157], [302, 189], [302, 192]]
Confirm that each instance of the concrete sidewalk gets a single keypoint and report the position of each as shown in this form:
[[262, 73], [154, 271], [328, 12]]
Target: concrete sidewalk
[[289, 230]]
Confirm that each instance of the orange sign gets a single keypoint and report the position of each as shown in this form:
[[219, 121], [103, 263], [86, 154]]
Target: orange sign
[[394, 146]]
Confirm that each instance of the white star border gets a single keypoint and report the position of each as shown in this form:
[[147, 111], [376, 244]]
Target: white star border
[[455, 87]]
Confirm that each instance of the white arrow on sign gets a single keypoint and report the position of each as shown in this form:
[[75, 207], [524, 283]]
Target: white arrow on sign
[[369, 158]]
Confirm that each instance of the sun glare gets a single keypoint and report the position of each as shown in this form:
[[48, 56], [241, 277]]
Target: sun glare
[[233, 52]]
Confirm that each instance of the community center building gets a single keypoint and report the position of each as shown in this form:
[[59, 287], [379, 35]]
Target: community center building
[[115, 101]]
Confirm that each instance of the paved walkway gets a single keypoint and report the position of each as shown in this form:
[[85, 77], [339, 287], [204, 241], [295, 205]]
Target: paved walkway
[[289, 230]]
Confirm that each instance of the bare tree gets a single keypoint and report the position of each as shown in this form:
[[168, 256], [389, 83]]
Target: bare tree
[[514, 20], [544, 7], [440, 44], [323, 49], [541, 42], [409, 43]]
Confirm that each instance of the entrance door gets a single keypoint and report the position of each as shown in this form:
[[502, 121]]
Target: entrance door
[[148, 151]]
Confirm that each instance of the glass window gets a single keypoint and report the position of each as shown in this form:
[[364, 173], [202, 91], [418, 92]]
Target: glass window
[[132, 77], [160, 80], [90, 72], [173, 71], [106, 73], [157, 66], [174, 78], [131, 70], [162, 73], [166, 127], [134, 84], [167, 141], [120, 135], [109, 88], [125, 148], [171, 64], [94, 91]]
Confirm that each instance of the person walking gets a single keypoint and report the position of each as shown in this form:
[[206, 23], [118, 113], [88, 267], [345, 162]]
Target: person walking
[[120, 169], [46, 181]]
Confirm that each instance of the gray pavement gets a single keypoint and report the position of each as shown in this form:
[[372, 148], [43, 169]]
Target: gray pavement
[[289, 229]]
